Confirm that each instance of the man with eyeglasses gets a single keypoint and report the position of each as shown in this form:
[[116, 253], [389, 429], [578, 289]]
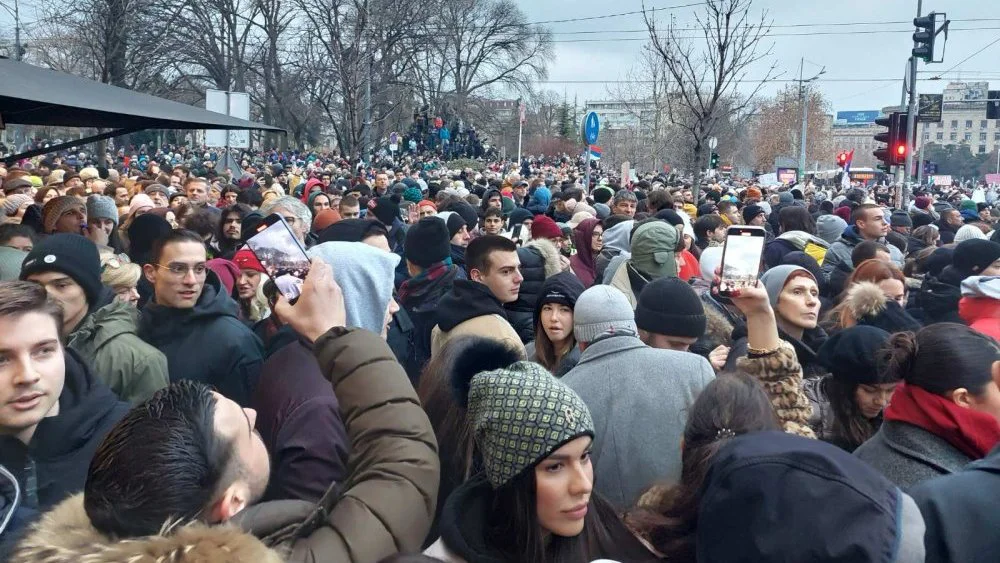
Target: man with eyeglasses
[[97, 326], [194, 322]]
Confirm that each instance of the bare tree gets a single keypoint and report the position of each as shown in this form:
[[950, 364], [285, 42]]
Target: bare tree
[[708, 71], [776, 127]]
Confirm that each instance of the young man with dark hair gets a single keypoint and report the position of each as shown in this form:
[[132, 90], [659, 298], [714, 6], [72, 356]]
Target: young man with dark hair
[[710, 230], [99, 327], [350, 207], [194, 322], [192, 459], [53, 411], [868, 222], [475, 306], [21, 237]]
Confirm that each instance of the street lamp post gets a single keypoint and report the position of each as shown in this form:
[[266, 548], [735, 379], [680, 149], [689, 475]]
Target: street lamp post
[[805, 115], [15, 11]]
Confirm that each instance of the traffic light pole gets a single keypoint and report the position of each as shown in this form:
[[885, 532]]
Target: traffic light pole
[[911, 121]]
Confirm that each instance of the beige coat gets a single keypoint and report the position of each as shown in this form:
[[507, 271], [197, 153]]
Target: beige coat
[[488, 326]]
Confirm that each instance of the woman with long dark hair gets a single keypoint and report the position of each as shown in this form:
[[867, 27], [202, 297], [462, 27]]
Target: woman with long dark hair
[[554, 346], [848, 404], [666, 518], [534, 500], [945, 413]]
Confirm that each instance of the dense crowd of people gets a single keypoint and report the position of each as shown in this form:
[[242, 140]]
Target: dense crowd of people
[[493, 365]]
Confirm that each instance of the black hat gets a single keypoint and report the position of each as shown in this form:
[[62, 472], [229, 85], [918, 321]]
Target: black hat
[[387, 209], [921, 219], [851, 354], [670, 306], [453, 221], [751, 211], [707, 209], [467, 212], [250, 223], [900, 219], [427, 242], [563, 288], [350, 230], [974, 255], [73, 255]]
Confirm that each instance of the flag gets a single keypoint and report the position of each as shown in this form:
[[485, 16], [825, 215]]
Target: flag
[[595, 152], [845, 181]]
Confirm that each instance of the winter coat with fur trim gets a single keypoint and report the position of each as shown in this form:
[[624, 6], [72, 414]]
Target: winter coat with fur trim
[[66, 535], [540, 259], [980, 305], [866, 304], [385, 506]]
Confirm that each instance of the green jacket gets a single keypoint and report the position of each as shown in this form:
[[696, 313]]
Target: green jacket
[[106, 338]]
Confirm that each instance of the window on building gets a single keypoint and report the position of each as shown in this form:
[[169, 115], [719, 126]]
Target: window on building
[[997, 124], [939, 136], [996, 136], [968, 124], [968, 136], [940, 124], [983, 124], [982, 149], [953, 136], [982, 136], [927, 136], [954, 124]]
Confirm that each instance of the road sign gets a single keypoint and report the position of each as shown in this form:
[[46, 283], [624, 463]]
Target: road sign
[[591, 127], [393, 141], [929, 108], [712, 143]]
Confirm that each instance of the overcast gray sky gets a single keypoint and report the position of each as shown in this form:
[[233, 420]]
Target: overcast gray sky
[[847, 58]]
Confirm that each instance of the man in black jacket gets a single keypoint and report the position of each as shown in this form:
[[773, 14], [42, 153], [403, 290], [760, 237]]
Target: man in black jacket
[[194, 322], [53, 411]]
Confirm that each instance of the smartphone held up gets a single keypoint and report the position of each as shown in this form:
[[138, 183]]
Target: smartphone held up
[[741, 257], [281, 254]]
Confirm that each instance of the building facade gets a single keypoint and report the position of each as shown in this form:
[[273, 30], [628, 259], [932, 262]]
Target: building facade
[[855, 130], [963, 120]]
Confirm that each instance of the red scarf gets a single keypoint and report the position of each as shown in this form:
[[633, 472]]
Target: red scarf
[[972, 432]]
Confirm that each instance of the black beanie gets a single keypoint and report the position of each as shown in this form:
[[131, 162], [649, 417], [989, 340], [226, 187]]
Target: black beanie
[[751, 211], [563, 288], [921, 219], [467, 212], [427, 242], [975, 255], [250, 223], [387, 209], [73, 255], [851, 354], [671, 307]]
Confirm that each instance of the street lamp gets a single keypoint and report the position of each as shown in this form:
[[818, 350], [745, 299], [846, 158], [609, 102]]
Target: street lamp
[[805, 117]]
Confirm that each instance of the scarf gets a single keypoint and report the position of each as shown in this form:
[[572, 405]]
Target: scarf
[[436, 280], [972, 432]]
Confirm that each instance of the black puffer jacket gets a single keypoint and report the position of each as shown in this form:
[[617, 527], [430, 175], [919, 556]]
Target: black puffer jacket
[[206, 343], [937, 301], [540, 259]]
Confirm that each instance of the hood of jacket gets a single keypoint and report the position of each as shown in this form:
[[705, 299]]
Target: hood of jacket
[[158, 321], [549, 253], [801, 238], [865, 299], [104, 324], [939, 299], [981, 286], [83, 405], [851, 237], [366, 275], [617, 237], [66, 535], [467, 300], [463, 523]]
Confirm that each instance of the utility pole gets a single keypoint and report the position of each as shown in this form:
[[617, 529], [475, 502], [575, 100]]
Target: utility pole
[[17, 31], [366, 152], [911, 120], [803, 101]]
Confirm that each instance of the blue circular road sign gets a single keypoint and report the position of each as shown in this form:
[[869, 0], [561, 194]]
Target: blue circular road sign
[[591, 127]]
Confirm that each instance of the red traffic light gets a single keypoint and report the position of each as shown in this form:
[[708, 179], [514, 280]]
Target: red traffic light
[[901, 150]]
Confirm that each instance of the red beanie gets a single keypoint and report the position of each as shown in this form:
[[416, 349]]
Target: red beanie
[[247, 260], [545, 227], [227, 271], [844, 213]]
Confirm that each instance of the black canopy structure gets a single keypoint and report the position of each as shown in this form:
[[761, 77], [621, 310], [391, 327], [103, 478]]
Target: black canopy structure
[[31, 95]]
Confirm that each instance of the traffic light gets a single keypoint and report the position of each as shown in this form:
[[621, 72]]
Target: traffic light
[[882, 153], [713, 163], [923, 39], [899, 142]]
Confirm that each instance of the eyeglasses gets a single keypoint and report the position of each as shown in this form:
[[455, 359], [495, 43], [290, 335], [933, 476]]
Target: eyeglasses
[[598, 234], [181, 270]]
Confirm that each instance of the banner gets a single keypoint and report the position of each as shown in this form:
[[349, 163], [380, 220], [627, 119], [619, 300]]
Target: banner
[[942, 180]]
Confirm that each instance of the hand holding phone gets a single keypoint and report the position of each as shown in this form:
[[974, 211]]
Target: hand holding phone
[[321, 306], [741, 258], [283, 258]]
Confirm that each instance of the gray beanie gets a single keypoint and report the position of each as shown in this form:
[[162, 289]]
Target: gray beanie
[[774, 280], [602, 309], [830, 227], [102, 207]]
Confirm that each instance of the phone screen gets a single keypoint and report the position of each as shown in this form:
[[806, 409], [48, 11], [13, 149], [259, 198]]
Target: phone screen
[[741, 260], [282, 256]]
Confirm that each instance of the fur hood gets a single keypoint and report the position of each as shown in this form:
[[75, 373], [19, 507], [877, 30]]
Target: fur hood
[[865, 299], [554, 261], [65, 535]]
